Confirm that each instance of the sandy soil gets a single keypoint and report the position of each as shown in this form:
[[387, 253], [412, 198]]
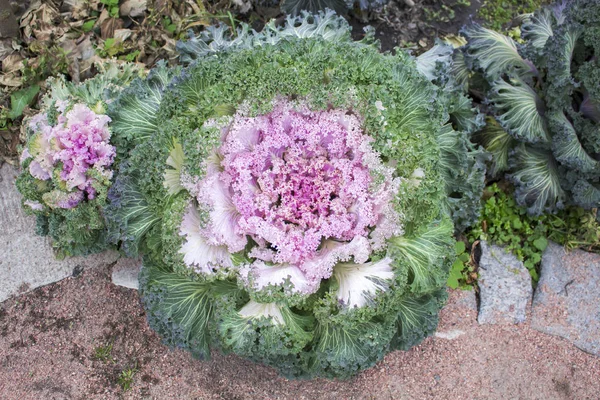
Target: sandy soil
[[51, 343]]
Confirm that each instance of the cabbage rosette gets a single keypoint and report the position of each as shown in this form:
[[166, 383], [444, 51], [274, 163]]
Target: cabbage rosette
[[68, 160], [289, 192]]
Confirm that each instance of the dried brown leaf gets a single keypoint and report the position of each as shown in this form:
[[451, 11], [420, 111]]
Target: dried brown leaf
[[122, 35], [6, 48], [133, 8], [11, 80], [12, 63], [108, 27], [76, 9]]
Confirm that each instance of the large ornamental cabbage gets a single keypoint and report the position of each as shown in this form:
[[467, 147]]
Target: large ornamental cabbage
[[289, 191], [69, 160], [544, 96]]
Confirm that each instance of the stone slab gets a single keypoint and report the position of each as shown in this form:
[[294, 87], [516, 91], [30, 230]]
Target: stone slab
[[567, 299], [27, 261], [125, 273], [505, 289]]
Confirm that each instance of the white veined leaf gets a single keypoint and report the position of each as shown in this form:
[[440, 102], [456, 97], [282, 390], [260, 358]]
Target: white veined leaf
[[536, 180], [493, 52], [175, 160], [537, 28], [428, 62], [255, 310], [358, 283], [518, 107]]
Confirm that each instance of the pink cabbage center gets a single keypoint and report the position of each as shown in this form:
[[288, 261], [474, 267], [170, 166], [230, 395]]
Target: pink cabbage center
[[298, 178]]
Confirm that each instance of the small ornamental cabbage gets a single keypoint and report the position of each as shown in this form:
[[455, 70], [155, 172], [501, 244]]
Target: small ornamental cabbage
[[68, 161], [293, 194], [544, 99]]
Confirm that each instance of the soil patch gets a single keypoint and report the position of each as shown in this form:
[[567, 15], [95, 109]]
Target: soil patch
[[82, 337]]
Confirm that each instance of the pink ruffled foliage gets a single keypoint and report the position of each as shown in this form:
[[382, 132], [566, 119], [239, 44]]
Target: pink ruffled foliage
[[78, 143], [300, 184]]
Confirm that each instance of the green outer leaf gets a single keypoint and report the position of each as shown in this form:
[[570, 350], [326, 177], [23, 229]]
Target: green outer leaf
[[326, 25], [518, 107], [424, 255], [463, 170], [178, 308], [134, 113], [342, 351], [261, 338], [429, 62], [418, 318], [129, 216]]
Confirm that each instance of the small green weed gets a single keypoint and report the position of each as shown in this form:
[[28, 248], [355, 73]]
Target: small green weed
[[102, 353], [112, 6], [462, 272], [503, 222], [446, 12], [126, 378], [497, 13]]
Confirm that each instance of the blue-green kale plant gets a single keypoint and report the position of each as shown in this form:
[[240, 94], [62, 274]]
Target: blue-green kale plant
[[69, 159], [544, 97], [294, 194]]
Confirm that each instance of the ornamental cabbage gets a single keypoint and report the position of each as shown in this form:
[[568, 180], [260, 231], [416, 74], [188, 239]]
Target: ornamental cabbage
[[544, 98], [290, 195], [68, 161]]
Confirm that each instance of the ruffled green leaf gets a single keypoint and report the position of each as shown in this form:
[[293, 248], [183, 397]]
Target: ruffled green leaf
[[430, 62], [262, 330], [129, 216], [463, 170], [178, 308], [424, 255], [417, 318], [586, 194], [560, 48], [295, 7], [460, 71], [342, 350], [134, 113], [566, 146]]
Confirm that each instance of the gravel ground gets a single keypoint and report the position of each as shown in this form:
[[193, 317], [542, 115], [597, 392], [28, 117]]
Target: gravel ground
[[77, 339]]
